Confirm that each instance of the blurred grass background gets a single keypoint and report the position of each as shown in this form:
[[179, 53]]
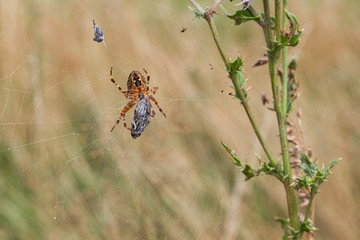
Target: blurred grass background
[[63, 175]]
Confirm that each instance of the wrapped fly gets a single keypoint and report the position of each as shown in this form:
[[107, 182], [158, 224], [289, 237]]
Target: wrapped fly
[[142, 116], [98, 35]]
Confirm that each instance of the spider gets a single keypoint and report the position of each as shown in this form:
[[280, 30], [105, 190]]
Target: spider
[[136, 84]]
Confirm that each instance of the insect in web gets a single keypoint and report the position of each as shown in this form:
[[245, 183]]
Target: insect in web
[[98, 34], [140, 95], [142, 115], [183, 29]]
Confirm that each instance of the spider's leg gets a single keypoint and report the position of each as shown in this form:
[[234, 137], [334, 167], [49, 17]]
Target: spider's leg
[[153, 90], [147, 79], [152, 114], [154, 100], [122, 114], [126, 93]]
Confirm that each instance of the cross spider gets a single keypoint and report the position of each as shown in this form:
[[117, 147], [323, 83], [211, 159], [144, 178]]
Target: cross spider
[[136, 84]]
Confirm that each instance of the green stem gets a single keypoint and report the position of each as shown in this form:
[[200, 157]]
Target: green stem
[[267, 25], [210, 20], [278, 19], [273, 57], [309, 207], [248, 111], [308, 210]]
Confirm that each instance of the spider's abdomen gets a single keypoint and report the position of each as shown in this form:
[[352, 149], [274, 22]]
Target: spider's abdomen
[[135, 80]]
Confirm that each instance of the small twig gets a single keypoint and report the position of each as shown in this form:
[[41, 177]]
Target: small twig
[[197, 6]]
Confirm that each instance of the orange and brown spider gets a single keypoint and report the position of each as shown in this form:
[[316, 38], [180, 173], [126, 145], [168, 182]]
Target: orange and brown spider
[[136, 84]]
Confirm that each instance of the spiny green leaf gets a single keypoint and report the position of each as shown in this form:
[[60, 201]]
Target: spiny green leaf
[[242, 16], [292, 38], [237, 161], [235, 68], [314, 176], [333, 163], [285, 222], [235, 65], [308, 167], [306, 227], [240, 78], [285, 225], [248, 172], [292, 65], [293, 20]]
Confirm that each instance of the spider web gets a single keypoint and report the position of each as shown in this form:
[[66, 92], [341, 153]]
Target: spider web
[[65, 176]]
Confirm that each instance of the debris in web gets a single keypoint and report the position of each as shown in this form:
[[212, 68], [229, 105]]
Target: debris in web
[[98, 35]]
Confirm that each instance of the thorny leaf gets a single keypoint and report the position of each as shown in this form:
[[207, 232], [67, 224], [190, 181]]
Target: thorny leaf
[[293, 21], [235, 67], [265, 168], [292, 65], [237, 161], [306, 227], [285, 225], [268, 169], [292, 38], [313, 175], [246, 170], [307, 166], [289, 232], [242, 16]]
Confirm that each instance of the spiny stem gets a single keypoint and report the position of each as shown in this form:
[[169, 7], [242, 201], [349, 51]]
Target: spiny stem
[[210, 20], [267, 25], [273, 57]]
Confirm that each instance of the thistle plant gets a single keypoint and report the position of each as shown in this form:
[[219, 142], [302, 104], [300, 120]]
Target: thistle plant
[[295, 168]]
